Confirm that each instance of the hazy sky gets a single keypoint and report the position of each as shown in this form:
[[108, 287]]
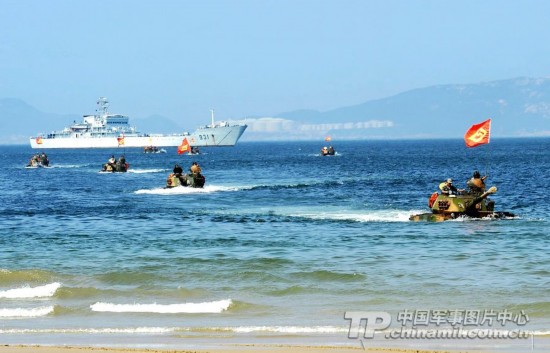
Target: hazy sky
[[258, 57]]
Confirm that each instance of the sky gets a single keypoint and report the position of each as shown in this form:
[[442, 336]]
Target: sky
[[245, 58]]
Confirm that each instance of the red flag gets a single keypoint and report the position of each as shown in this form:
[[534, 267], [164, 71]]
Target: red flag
[[120, 140], [184, 147], [39, 140], [478, 134]]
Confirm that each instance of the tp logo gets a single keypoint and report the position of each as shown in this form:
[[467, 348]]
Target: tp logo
[[374, 321]]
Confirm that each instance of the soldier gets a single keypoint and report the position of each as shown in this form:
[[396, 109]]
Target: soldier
[[195, 168], [178, 171], [122, 163], [112, 161], [448, 188], [477, 183]]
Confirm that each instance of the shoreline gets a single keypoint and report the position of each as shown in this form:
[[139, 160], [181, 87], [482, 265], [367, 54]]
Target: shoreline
[[251, 348], [207, 346]]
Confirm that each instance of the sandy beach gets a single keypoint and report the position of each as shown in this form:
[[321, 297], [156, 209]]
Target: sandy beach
[[243, 348]]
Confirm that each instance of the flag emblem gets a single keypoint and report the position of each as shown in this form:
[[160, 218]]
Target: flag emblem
[[478, 134]]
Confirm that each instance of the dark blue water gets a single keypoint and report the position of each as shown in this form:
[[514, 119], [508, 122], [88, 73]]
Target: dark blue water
[[279, 238]]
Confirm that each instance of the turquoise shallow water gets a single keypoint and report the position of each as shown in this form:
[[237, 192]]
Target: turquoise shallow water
[[280, 242]]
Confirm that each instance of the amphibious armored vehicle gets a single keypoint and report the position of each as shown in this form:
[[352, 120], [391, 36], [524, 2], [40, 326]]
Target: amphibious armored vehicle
[[469, 204], [191, 180]]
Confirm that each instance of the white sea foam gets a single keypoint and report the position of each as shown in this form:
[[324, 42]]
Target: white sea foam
[[66, 166], [144, 171], [285, 330], [106, 330], [289, 329], [367, 216], [47, 290], [26, 312], [188, 308], [483, 219], [541, 333], [180, 190], [161, 330], [336, 214]]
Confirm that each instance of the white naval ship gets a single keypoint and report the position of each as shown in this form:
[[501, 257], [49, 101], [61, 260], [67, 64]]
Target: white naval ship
[[105, 130]]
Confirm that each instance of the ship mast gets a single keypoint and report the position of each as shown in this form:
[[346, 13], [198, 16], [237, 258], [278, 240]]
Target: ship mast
[[102, 105], [212, 114]]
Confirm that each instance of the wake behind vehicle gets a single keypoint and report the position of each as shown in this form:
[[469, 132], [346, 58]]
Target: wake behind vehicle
[[469, 204], [36, 166]]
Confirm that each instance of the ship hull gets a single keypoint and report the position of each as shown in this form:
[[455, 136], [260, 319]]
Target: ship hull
[[220, 136]]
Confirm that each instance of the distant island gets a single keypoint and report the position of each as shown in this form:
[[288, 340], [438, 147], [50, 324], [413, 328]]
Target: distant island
[[519, 107]]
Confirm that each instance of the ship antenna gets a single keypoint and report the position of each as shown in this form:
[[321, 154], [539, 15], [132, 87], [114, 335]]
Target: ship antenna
[[102, 104], [212, 114]]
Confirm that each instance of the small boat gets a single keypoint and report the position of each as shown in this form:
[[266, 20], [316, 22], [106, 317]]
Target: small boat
[[153, 149]]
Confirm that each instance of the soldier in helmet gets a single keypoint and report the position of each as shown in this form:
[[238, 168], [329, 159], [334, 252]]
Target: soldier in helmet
[[111, 162], [195, 168], [447, 188], [477, 183], [178, 171]]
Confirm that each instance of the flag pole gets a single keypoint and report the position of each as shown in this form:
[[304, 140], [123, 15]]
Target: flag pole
[[487, 159], [488, 153]]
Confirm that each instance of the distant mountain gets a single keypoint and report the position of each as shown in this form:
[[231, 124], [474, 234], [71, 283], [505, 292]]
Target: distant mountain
[[518, 107], [157, 124], [20, 120]]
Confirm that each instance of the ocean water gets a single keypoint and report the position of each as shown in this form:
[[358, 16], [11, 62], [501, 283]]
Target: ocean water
[[279, 244]]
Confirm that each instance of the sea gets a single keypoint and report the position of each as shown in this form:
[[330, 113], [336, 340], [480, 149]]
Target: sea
[[281, 246]]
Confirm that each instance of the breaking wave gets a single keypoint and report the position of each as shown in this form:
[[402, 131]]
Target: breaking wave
[[187, 308], [47, 290], [26, 312]]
